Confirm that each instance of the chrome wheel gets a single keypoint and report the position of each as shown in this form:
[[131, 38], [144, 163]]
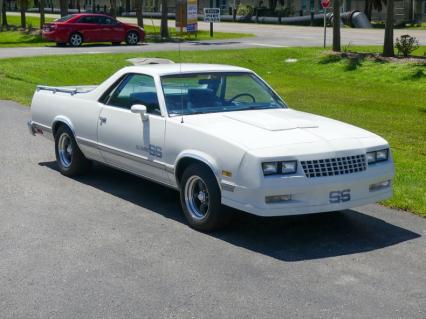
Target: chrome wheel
[[65, 150], [76, 40], [132, 38], [196, 197]]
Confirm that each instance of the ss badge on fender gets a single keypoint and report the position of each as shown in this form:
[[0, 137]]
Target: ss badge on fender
[[340, 196]]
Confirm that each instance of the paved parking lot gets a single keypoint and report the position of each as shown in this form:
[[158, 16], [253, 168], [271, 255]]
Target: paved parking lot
[[110, 245]]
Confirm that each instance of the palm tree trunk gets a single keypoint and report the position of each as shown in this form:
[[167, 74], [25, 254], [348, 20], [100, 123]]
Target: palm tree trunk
[[139, 12], [42, 19], [4, 16], [388, 44], [164, 29], [336, 25], [23, 7], [114, 8], [64, 7], [1, 14]]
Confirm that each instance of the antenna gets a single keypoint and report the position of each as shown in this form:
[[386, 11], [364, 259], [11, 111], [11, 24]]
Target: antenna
[[181, 90]]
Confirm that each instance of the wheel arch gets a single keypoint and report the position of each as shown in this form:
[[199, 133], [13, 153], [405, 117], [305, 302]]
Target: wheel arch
[[190, 157], [62, 120]]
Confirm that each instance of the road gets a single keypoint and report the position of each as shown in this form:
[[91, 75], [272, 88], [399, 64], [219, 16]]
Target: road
[[110, 245], [266, 36]]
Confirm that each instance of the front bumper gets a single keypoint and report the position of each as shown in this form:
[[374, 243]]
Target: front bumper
[[311, 195]]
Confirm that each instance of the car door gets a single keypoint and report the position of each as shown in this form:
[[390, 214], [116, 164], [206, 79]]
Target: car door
[[127, 140], [111, 30], [89, 28]]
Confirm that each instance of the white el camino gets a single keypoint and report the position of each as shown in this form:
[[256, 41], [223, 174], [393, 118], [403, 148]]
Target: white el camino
[[220, 135]]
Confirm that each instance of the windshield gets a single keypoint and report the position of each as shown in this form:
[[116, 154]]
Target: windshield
[[217, 92]]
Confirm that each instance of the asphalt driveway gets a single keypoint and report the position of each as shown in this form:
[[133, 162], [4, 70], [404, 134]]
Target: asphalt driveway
[[110, 245]]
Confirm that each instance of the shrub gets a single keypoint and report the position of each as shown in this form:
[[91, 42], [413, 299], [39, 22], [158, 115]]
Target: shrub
[[406, 44], [244, 10]]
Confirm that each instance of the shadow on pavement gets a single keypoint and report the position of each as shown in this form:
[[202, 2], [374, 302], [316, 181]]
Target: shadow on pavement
[[292, 238], [212, 43]]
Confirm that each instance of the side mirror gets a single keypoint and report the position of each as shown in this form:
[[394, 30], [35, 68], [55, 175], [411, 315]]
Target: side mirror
[[140, 109]]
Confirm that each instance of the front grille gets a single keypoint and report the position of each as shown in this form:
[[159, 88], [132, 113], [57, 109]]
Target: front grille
[[334, 166]]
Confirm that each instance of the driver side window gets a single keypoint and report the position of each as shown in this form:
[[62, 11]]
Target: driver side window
[[136, 89]]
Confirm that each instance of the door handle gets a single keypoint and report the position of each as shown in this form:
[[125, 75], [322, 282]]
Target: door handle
[[102, 120]]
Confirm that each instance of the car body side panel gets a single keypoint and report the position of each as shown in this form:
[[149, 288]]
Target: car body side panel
[[80, 114]]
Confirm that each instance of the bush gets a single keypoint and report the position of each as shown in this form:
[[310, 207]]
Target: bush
[[244, 10], [406, 44]]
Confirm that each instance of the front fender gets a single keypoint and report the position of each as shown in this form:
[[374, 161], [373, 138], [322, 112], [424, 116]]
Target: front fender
[[200, 156]]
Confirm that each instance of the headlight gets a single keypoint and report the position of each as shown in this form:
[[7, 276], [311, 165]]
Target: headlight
[[270, 168], [274, 168], [289, 167], [378, 156]]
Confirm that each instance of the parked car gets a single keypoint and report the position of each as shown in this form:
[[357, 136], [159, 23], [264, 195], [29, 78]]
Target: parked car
[[218, 134], [76, 29]]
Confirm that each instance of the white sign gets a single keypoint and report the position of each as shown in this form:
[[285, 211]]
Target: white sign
[[211, 15]]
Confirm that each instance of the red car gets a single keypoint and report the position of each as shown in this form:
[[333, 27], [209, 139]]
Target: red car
[[75, 29]]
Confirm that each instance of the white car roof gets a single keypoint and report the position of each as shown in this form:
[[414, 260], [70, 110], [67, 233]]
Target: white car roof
[[176, 68]]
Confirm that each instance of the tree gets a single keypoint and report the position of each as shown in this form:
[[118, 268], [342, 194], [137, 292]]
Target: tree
[[4, 16], [336, 25], [373, 4], [63, 4], [139, 12], [113, 10], [23, 8], [1, 14], [388, 43], [42, 19], [164, 28]]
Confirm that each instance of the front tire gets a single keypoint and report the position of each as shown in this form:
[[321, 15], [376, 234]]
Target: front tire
[[132, 38], [76, 39], [70, 159], [201, 199]]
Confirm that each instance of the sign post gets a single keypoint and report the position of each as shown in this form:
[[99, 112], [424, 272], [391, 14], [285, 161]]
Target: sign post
[[211, 15], [325, 4]]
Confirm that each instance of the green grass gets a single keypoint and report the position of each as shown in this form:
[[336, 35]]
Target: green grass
[[385, 98], [9, 39], [15, 20]]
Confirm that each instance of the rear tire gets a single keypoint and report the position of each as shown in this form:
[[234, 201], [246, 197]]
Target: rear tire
[[201, 199], [76, 39], [132, 38], [70, 159]]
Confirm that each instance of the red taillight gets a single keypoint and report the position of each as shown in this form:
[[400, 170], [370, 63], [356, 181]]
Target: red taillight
[[49, 27]]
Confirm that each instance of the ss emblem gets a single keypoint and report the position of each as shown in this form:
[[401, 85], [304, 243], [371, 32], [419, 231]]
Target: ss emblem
[[340, 196]]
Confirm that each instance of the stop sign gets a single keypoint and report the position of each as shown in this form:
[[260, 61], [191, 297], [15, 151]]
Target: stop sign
[[325, 3]]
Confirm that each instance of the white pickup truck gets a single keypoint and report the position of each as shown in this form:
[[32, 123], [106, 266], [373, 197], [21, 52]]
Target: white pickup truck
[[218, 134]]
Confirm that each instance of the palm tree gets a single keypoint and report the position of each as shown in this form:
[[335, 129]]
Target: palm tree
[[164, 29], [42, 19], [373, 4], [4, 16], [64, 7], [23, 8], [336, 25], [114, 8], [388, 43], [139, 12]]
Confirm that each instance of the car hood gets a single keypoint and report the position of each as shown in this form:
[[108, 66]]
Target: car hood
[[262, 129]]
